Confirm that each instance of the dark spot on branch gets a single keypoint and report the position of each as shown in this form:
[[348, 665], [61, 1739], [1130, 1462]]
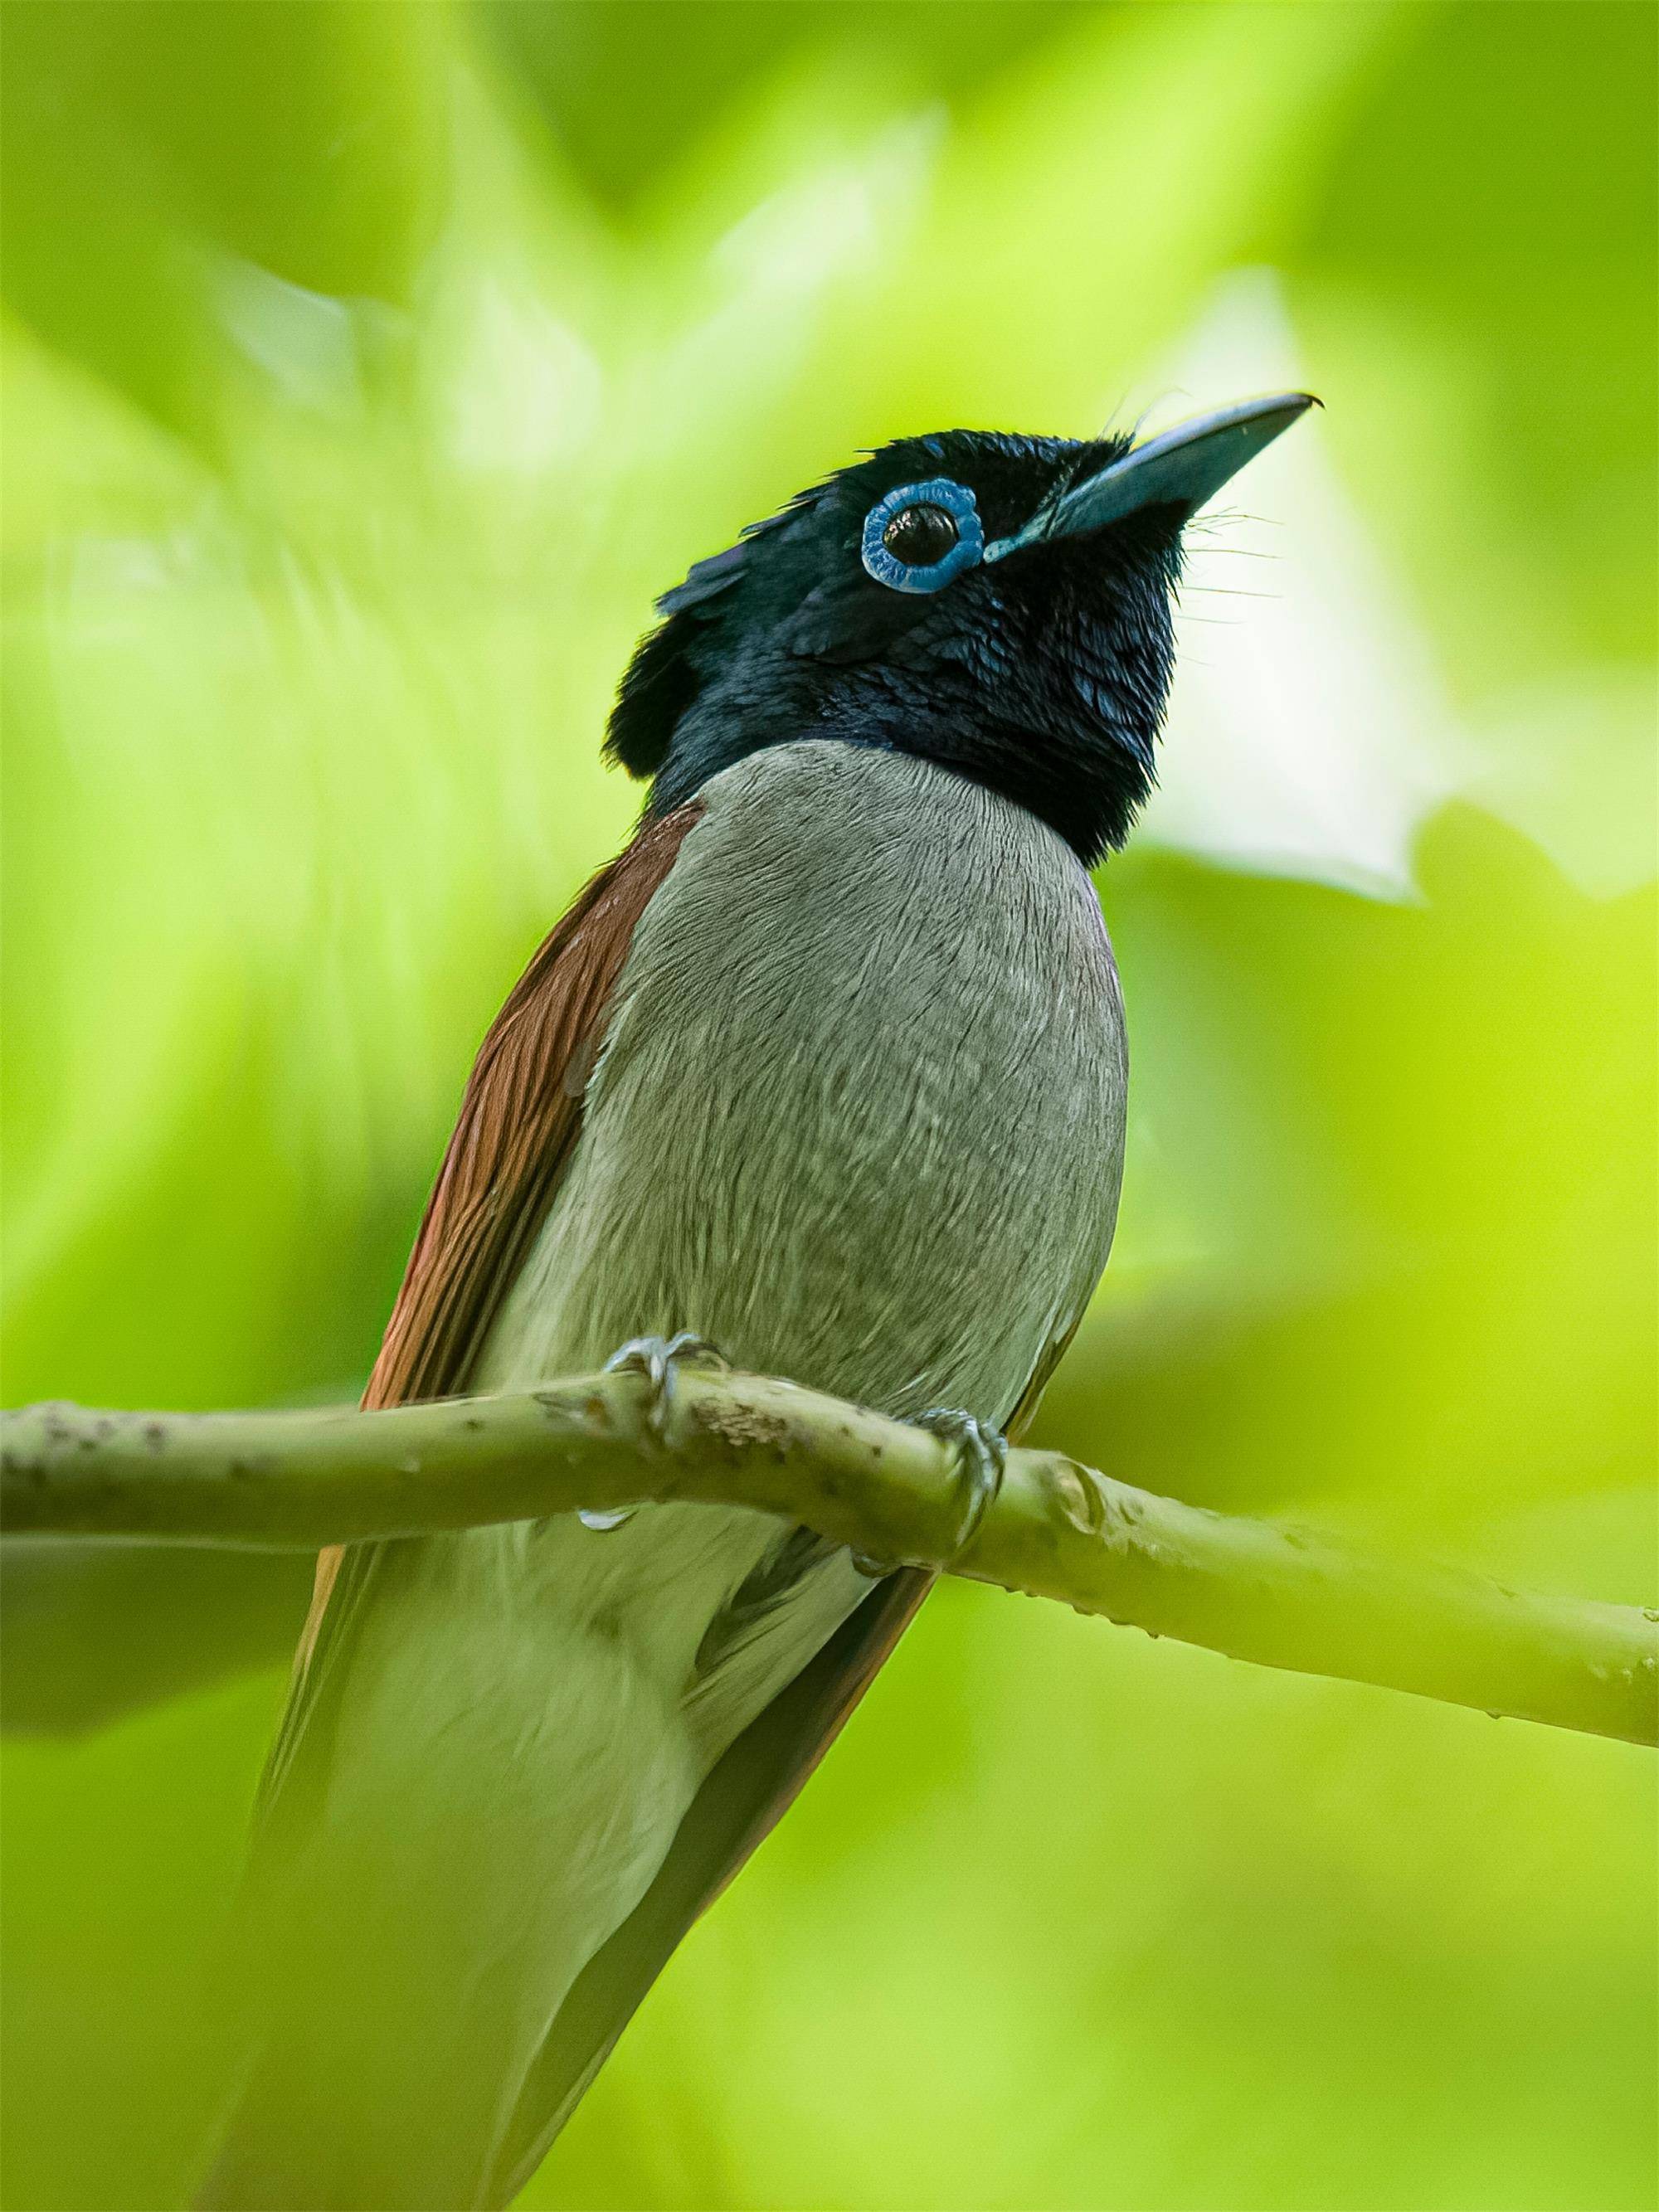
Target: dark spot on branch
[[252, 1463]]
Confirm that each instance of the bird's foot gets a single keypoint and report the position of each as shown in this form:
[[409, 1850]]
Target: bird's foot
[[660, 1360], [982, 1462], [982, 1458]]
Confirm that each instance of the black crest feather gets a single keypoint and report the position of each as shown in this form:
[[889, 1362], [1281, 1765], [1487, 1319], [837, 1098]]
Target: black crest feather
[[666, 674]]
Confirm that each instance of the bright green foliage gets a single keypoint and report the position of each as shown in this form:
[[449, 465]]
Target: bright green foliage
[[368, 367]]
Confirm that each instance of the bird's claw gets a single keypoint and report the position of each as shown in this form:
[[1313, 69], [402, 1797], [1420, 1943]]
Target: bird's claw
[[981, 1460], [660, 1360]]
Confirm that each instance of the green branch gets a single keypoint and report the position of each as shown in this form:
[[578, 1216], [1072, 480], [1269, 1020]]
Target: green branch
[[1058, 1530]]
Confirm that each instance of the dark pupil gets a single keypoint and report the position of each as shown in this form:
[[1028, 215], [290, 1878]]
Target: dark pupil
[[920, 535]]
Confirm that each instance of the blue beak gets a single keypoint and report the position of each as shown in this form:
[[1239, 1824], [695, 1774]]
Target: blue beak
[[1182, 467]]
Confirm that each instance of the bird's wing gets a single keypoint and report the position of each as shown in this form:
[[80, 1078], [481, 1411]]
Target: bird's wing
[[518, 1126]]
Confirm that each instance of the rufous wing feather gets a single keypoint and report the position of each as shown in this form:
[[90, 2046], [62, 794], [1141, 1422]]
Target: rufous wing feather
[[519, 1119]]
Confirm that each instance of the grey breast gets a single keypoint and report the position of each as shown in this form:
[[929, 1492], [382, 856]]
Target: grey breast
[[859, 1116]]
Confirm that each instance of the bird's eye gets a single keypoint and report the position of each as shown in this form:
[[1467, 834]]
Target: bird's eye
[[921, 535]]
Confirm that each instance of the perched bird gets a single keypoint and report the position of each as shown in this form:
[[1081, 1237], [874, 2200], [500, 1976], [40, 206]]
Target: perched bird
[[827, 1066]]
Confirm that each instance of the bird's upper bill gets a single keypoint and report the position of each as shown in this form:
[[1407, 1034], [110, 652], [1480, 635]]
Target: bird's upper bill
[[1181, 467]]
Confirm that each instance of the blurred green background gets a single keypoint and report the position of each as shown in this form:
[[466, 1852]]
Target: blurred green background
[[368, 369]]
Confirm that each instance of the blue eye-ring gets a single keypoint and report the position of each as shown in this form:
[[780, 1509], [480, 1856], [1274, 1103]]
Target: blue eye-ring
[[938, 519]]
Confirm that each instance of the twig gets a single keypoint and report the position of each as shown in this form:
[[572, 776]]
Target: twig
[[1274, 1595]]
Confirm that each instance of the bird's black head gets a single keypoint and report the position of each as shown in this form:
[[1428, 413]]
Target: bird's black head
[[1000, 605]]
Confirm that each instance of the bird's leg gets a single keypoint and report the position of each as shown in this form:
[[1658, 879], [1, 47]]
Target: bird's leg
[[659, 1359], [981, 1457]]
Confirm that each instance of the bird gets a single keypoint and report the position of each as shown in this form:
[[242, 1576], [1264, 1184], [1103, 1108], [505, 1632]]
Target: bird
[[824, 1074]]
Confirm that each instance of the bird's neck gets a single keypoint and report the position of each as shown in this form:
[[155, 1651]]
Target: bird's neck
[[1086, 782]]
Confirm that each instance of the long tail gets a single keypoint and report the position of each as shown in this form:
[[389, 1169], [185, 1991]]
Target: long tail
[[745, 1797], [437, 1965]]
